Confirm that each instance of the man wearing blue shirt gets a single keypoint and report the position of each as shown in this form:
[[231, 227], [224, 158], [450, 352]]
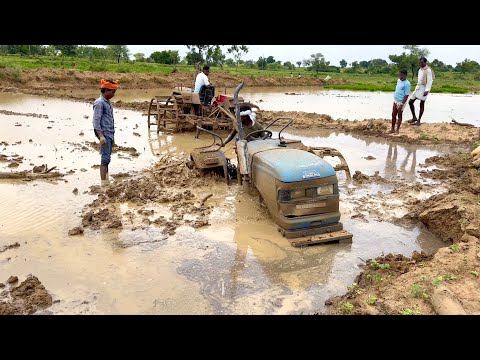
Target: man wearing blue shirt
[[400, 96], [104, 126]]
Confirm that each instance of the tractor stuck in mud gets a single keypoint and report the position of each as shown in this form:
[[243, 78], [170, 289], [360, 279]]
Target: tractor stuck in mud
[[298, 186]]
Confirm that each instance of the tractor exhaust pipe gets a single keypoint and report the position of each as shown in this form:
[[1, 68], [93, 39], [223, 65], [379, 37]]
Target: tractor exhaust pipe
[[241, 134]]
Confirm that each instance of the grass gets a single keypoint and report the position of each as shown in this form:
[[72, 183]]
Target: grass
[[409, 311], [447, 82], [375, 265], [438, 280], [454, 247], [372, 300], [425, 136], [346, 308], [419, 292], [374, 278]]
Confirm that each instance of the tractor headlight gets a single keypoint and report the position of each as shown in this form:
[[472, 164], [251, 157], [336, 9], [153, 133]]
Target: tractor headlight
[[325, 190], [287, 195], [295, 194]]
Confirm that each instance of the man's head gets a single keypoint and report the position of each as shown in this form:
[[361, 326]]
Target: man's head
[[247, 116], [423, 61], [206, 69], [402, 74], [108, 88]]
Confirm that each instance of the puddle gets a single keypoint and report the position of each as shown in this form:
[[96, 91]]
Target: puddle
[[239, 264]]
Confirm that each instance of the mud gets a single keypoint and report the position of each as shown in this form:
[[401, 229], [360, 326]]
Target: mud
[[168, 196], [170, 182], [24, 299], [396, 284]]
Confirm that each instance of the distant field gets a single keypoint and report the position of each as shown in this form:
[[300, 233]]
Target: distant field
[[445, 82]]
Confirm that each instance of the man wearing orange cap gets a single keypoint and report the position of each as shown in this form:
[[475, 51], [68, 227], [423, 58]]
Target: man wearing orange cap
[[104, 125]]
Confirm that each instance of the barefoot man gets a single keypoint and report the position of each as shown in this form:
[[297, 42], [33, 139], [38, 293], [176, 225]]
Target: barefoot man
[[424, 84], [104, 126], [400, 96]]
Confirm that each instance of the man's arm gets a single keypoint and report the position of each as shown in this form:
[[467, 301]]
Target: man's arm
[[408, 87], [429, 82], [97, 115]]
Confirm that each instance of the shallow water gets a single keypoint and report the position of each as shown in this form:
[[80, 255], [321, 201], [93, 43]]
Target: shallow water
[[339, 104], [239, 264]]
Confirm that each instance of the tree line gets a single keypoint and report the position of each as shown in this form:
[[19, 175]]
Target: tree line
[[214, 56]]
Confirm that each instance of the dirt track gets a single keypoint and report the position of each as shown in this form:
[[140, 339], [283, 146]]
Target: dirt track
[[389, 285]]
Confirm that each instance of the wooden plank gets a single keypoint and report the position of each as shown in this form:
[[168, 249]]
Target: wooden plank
[[340, 235]]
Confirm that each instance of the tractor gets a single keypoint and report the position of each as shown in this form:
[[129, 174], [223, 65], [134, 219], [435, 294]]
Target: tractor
[[298, 186]]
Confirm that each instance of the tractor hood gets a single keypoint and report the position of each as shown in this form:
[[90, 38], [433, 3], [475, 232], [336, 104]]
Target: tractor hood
[[287, 165]]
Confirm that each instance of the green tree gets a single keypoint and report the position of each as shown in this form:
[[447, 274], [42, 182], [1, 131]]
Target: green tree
[[289, 65], [364, 64], [230, 62], [317, 63], [440, 66], [92, 52], [250, 64], [270, 60], [196, 53], [467, 66], [118, 52], [193, 57], [343, 63], [299, 63], [238, 51], [215, 56], [416, 50], [139, 57], [409, 60], [165, 57], [66, 50], [262, 63]]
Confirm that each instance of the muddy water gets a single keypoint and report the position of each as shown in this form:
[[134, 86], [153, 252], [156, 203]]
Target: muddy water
[[237, 265], [339, 104]]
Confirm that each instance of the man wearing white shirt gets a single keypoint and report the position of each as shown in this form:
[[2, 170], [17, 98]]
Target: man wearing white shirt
[[202, 79], [424, 84]]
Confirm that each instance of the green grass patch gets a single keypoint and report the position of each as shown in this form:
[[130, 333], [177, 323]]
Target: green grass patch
[[346, 308], [428, 137]]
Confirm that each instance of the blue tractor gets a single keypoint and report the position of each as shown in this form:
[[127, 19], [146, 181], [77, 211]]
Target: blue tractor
[[297, 185]]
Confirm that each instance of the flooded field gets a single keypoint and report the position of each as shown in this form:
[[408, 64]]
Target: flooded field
[[339, 104], [239, 264]]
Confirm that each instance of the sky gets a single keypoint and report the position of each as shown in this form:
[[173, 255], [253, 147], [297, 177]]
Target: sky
[[448, 54]]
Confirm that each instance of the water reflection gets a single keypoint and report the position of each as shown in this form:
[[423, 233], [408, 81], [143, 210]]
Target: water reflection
[[391, 168], [370, 154]]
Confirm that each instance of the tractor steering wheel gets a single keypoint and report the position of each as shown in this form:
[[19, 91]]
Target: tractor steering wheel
[[267, 135]]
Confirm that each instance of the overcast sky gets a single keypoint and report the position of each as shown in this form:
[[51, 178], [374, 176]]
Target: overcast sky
[[449, 54]]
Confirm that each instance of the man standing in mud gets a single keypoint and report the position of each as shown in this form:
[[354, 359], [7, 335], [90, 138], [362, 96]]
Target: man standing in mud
[[104, 125], [400, 96], [424, 84]]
